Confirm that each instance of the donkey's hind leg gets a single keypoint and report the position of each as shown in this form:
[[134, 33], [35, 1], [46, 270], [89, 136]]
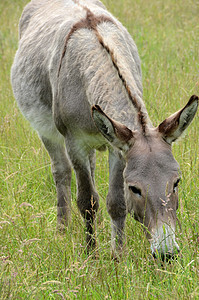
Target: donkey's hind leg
[[83, 161], [61, 171]]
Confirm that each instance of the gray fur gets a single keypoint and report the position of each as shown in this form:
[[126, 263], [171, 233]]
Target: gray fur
[[59, 109]]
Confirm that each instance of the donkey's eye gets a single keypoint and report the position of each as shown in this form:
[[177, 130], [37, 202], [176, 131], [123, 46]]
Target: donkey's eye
[[176, 185], [135, 190]]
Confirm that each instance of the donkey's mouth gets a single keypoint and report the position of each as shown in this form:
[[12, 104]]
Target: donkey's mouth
[[163, 243], [166, 257]]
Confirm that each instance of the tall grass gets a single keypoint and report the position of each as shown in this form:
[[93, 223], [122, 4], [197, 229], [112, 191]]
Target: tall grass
[[36, 262]]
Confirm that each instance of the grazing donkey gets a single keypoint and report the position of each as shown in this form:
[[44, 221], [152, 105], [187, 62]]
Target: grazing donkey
[[77, 79]]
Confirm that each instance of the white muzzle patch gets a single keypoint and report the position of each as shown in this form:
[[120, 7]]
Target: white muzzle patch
[[163, 240]]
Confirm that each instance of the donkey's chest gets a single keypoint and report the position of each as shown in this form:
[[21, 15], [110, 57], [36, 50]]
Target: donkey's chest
[[87, 141]]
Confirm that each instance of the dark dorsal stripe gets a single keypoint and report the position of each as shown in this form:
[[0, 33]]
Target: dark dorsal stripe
[[90, 22]]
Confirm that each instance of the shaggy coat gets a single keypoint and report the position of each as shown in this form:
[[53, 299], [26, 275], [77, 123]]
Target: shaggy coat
[[77, 79]]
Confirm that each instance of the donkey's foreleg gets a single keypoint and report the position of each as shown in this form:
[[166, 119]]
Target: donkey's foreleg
[[87, 197], [61, 171], [87, 202], [117, 235], [92, 160], [116, 204]]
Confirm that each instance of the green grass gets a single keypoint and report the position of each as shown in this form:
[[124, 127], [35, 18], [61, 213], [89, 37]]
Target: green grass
[[35, 262]]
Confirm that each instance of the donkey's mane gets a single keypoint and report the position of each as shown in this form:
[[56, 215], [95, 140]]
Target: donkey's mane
[[90, 22]]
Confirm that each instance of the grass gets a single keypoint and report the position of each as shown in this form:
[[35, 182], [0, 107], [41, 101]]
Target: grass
[[35, 262]]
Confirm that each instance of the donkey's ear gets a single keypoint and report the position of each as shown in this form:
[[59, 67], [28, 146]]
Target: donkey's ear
[[172, 127], [117, 134]]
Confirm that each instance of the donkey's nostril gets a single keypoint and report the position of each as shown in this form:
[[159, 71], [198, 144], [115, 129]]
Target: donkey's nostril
[[167, 257]]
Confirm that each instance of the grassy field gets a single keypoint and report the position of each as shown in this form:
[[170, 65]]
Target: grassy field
[[36, 262]]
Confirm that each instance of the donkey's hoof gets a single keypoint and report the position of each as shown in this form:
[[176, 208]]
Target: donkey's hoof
[[62, 224], [115, 257], [91, 244], [92, 252], [63, 218], [61, 227]]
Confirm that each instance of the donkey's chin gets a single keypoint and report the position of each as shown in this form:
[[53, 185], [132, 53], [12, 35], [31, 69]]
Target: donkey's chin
[[163, 243]]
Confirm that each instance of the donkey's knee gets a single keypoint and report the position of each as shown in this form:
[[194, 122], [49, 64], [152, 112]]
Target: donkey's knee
[[61, 171], [116, 206], [88, 205]]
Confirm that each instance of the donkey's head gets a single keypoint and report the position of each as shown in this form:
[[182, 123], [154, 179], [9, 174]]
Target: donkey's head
[[151, 174]]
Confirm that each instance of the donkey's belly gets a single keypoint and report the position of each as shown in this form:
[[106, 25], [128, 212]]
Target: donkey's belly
[[33, 95]]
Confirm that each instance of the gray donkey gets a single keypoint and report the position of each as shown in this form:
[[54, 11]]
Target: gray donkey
[[77, 80]]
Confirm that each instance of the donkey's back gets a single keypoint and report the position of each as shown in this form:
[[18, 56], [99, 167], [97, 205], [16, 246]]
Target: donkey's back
[[50, 10]]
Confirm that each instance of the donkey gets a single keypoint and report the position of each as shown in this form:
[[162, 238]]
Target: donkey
[[77, 79]]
